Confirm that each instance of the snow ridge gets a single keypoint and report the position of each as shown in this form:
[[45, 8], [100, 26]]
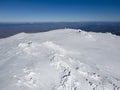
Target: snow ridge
[[68, 73], [57, 62]]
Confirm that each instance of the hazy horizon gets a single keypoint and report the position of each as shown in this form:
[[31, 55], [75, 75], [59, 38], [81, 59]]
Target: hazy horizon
[[60, 22]]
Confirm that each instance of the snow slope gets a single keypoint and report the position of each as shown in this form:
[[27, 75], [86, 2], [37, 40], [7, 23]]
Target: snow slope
[[63, 59]]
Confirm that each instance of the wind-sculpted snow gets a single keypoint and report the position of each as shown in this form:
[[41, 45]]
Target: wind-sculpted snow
[[60, 60]]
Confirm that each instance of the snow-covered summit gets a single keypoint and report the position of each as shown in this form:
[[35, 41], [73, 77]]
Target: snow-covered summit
[[65, 59]]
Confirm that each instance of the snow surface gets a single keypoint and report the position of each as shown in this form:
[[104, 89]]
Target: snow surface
[[64, 59]]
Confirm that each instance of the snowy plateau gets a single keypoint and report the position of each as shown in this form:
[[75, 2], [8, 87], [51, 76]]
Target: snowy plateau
[[64, 59]]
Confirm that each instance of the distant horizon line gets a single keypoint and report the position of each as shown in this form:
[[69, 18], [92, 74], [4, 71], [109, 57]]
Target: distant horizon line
[[56, 22]]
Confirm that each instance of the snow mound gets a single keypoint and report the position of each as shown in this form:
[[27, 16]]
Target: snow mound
[[60, 60]]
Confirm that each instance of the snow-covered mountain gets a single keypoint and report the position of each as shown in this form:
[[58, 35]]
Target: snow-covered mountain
[[63, 59]]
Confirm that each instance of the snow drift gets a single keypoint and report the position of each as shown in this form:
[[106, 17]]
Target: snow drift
[[63, 59]]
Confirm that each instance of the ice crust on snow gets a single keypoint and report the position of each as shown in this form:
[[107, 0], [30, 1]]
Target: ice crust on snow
[[64, 59]]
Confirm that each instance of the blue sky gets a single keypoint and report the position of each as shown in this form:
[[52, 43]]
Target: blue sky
[[59, 10]]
